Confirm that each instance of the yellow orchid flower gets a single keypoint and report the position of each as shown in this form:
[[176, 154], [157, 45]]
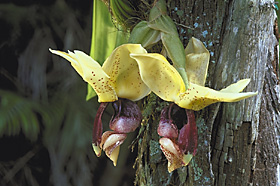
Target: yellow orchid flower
[[117, 81], [179, 146], [118, 77], [163, 79]]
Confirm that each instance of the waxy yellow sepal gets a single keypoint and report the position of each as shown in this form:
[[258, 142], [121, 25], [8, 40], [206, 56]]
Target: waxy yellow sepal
[[162, 78], [197, 97], [118, 77], [92, 73]]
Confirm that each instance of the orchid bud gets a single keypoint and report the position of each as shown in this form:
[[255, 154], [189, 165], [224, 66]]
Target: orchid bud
[[127, 116]]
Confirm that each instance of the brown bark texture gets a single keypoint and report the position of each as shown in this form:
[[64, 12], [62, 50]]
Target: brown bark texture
[[238, 142]]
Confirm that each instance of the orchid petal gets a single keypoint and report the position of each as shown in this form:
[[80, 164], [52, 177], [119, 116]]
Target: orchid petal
[[110, 143], [197, 97], [97, 129], [188, 136], [172, 153], [165, 81], [124, 72], [162, 78], [236, 87], [197, 61], [92, 73]]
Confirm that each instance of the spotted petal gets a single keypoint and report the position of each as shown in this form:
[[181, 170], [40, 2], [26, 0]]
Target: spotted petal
[[162, 78], [124, 72], [197, 97], [92, 73], [165, 81], [172, 153]]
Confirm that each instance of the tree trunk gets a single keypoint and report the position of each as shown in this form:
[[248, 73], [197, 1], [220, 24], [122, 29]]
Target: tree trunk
[[238, 142]]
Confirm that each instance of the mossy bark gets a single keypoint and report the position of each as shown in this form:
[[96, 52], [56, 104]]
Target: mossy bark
[[237, 141]]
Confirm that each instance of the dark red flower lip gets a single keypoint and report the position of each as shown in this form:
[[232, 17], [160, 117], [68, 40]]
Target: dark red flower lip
[[177, 148], [126, 118]]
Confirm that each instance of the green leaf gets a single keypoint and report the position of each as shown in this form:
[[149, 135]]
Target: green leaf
[[19, 114], [105, 36], [144, 35]]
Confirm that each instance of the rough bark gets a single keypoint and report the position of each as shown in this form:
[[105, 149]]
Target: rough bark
[[237, 141]]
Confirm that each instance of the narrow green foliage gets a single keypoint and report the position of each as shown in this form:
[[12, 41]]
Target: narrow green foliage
[[18, 114]]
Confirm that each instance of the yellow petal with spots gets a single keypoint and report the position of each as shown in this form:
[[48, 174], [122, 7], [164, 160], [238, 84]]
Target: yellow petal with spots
[[197, 97], [161, 77], [124, 72], [92, 73], [197, 61]]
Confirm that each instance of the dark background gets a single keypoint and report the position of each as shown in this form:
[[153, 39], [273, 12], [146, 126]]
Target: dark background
[[45, 122]]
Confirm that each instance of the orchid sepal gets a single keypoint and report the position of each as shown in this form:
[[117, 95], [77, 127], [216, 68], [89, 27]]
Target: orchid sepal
[[111, 81], [197, 61], [165, 81], [197, 97]]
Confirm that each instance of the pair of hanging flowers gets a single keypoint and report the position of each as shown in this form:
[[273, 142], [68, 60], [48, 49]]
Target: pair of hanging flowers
[[129, 74]]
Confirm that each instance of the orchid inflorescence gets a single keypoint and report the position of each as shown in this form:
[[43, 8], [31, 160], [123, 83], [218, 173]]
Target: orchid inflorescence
[[129, 74]]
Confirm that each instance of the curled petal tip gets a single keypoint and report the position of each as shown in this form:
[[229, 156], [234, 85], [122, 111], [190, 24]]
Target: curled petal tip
[[97, 150]]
